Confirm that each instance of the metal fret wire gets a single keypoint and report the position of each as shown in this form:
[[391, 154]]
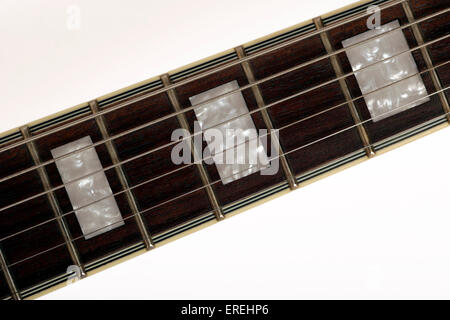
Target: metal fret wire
[[150, 123], [249, 113], [215, 70], [100, 142], [211, 156], [142, 212], [289, 98], [256, 83]]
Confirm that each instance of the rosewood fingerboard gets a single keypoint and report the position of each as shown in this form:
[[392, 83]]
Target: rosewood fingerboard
[[40, 235]]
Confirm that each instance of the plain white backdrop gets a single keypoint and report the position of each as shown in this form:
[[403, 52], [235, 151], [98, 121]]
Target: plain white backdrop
[[377, 230]]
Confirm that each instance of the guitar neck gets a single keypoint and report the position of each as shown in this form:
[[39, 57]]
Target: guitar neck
[[301, 86]]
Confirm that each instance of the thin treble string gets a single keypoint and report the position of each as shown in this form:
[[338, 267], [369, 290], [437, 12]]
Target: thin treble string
[[174, 142], [191, 164], [152, 208], [150, 123], [207, 73], [143, 212], [196, 162], [145, 125]]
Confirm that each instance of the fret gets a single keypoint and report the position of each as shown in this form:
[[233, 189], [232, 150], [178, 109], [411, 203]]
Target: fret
[[380, 132], [53, 202], [8, 279], [132, 203], [37, 255], [109, 242], [28, 215], [240, 51], [345, 90], [422, 8], [321, 127], [308, 109], [426, 55], [251, 184], [201, 169], [152, 175]]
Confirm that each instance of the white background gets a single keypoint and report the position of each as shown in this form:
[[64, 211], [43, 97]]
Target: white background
[[377, 230]]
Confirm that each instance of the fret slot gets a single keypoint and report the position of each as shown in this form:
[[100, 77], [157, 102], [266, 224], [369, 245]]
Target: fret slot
[[201, 169], [316, 140], [37, 255], [155, 180], [164, 198], [345, 90], [7, 284], [176, 199], [267, 120], [122, 178], [53, 201], [422, 8], [320, 129], [310, 122], [111, 241], [89, 191], [27, 215], [233, 144], [427, 57], [390, 86], [401, 122], [250, 184]]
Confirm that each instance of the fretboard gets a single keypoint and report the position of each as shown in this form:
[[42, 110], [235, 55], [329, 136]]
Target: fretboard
[[300, 86]]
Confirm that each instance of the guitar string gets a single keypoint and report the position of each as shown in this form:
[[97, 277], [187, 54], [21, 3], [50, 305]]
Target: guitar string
[[232, 119], [152, 122], [212, 71], [206, 158], [128, 103], [148, 124], [143, 212], [134, 158], [344, 103]]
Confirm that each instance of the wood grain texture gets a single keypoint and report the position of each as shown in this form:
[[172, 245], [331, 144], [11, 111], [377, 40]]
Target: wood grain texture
[[298, 136], [410, 118], [167, 214], [248, 185], [24, 216]]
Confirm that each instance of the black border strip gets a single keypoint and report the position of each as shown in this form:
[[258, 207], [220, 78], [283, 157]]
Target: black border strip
[[115, 256], [10, 137], [129, 93], [357, 9], [259, 196], [192, 224], [411, 133], [157, 239], [44, 285], [279, 38], [190, 71], [201, 67], [64, 117], [333, 165]]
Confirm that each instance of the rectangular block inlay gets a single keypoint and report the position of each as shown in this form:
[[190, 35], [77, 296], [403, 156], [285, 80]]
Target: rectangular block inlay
[[239, 151], [94, 218], [391, 98]]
